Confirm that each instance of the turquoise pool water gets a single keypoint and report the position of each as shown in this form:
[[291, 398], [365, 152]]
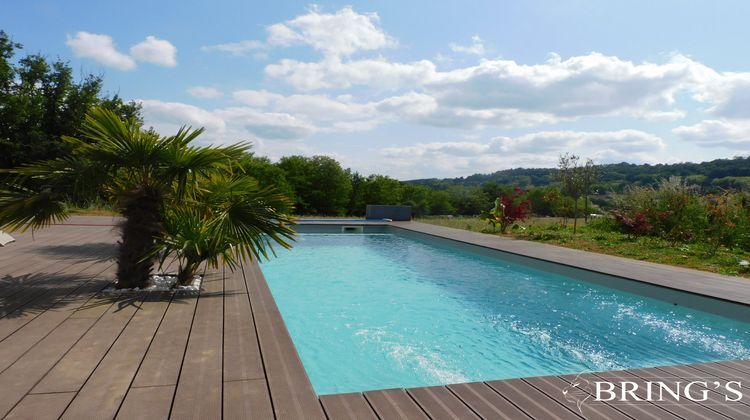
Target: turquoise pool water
[[383, 311]]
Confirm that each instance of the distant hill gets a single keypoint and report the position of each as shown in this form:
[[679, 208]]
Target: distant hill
[[720, 173]]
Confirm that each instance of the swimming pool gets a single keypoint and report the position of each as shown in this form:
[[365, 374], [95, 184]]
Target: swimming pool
[[373, 311]]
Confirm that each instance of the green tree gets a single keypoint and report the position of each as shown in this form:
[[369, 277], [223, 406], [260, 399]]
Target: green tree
[[380, 189], [320, 185], [40, 103], [297, 171]]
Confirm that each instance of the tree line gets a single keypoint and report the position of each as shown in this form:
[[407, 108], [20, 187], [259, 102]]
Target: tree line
[[711, 176]]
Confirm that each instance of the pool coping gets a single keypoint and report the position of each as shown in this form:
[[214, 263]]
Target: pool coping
[[703, 283]]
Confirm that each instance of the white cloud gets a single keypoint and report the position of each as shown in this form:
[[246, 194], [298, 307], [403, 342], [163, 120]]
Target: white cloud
[[155, 51], [101, 49], [541, 149], [622, 142], [167, 116], [237, 48], [342, 33], [332, 72], [475, 48], [592, 84], [205, 92], [734, 135]]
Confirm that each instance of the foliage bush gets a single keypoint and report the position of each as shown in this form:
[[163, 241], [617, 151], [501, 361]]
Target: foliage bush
[[676, 211], [509, 208]]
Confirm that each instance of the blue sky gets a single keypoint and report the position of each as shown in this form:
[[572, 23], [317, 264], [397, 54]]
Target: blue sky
[[421, 88]]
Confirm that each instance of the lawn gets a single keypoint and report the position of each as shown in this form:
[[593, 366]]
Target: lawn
[[592, 237]]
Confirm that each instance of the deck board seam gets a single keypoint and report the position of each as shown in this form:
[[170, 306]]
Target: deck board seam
[[45, 335], [223, 329], [551, 398], [184, 352], [734, 368], [257, 339], [406, 391], [508, 400], [104, 355], [47, 276], [372, 407], [140, 363], [58, 361], [93, 294], [473, 410]]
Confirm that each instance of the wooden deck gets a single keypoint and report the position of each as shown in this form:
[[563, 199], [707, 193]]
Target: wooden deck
[[67, 351]]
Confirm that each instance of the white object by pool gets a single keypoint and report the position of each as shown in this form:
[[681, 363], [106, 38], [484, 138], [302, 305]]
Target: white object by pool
[[5, 239]]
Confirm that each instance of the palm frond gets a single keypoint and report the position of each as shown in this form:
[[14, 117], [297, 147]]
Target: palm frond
[[22, 208]]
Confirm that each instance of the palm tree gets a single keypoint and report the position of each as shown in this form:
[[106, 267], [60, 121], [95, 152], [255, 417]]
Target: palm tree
[[140, 172], [228, 219]]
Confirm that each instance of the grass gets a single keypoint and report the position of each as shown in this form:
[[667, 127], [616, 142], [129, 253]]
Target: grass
[[594, 238], [92, 209]]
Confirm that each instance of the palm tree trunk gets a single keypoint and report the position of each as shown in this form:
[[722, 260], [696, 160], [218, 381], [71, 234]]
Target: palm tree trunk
[[187, 272], [143, 222]]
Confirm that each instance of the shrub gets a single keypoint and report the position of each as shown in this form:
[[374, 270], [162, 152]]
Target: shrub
[[508, 209]]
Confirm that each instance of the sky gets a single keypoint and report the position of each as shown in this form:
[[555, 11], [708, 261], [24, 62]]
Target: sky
[[420, 89]]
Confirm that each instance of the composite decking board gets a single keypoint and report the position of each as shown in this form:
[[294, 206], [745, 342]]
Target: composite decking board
[[46, 253], [21, 376], [347, 406], [26, 243], [553, 386], [247, 399], [199, 388], [742, 366], [699, 282], [19, 280], [394, 404], [485, 401], [171, 339], [147, 403], [40, 296], [82, 290], [292, 394], [532, 401], [241, 350], [72, 371], [686, 409], [439, 403], [104, 390], [41, 406], [23, 339]]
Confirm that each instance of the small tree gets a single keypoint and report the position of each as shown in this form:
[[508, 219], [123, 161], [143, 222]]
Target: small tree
[[508, 209], [576, 180], [230, 217]]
